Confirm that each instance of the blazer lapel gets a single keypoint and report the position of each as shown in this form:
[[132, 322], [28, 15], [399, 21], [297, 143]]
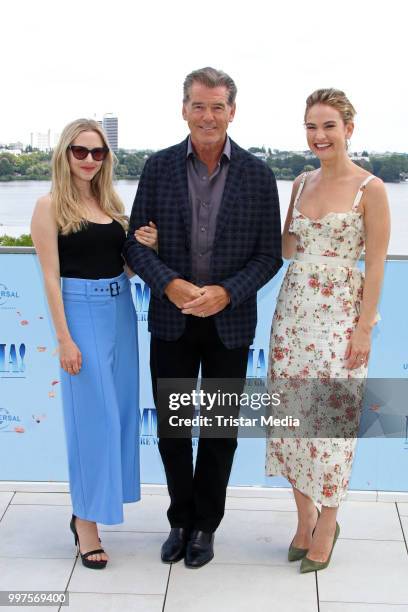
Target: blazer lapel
[[231, 190], [180, 186]]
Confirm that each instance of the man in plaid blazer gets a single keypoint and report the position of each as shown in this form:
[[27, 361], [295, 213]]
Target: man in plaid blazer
[[216, 209]]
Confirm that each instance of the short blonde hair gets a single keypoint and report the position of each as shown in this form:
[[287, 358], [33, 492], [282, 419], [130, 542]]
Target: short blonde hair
[[334, 98], [68, 209]]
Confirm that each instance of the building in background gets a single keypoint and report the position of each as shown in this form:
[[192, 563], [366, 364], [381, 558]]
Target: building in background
[[110, 125], [46, 141], [359, 156], [15, 148], [41, 141]]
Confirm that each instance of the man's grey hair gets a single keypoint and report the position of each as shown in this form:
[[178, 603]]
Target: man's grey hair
[[210, 77]]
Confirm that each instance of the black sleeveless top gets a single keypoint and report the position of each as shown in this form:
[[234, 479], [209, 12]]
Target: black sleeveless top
[[93, 252]]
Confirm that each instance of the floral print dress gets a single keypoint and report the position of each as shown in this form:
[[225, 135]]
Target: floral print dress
[[316, 313]]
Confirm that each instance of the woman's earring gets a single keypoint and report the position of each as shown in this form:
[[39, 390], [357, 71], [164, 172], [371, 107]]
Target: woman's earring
[[348, 143]]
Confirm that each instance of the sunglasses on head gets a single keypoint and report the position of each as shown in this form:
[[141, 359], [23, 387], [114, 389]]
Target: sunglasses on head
[[79, 152]]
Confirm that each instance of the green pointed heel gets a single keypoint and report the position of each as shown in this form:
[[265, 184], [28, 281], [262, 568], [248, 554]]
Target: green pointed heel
[[296, 554], [308, 565]]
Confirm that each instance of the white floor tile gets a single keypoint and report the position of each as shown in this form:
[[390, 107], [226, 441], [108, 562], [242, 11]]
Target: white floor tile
[[403, 508], [37, 532], [84, 602], [366, 571], [379, 521], [239, 588], [392, 496], [134, 567], [148, 514], [256, 537], [43, 499], [364, 496], [133, 544], [331, 606], [34, 574], [5, 498], [404, 522], [268, 492], [31, 609], [260, 503], [35, 487]]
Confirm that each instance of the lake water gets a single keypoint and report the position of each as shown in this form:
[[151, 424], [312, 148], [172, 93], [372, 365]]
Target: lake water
[[17, 200]]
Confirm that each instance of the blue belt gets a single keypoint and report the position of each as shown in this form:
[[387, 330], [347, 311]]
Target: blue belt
[[97, 288]]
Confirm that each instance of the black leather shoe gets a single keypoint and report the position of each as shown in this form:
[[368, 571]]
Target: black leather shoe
[[174, 548], [200, 549]]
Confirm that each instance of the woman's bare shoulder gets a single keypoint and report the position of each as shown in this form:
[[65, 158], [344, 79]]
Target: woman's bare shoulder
[[376, 185], [44, 211], [309, 175], [44, 201], [43, 206]]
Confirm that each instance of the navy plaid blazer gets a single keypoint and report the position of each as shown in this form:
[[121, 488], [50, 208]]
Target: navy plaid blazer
[[247, 245]]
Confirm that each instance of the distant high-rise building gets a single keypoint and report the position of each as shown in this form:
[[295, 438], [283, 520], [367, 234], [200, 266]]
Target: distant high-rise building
[[110, 125], [41, 141]]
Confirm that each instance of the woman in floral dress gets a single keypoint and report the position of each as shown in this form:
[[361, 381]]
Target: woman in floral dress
[[325, 313]]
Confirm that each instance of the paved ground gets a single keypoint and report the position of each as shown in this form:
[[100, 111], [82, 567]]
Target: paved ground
[[250, 573]]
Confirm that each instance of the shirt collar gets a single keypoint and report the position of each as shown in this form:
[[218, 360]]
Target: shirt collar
[[226, 151]]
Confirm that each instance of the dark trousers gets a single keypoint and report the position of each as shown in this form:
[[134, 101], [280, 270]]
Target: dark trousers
[[197, 496]]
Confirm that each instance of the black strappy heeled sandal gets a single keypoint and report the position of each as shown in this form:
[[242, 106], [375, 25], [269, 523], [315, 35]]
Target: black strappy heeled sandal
[[85, 561]]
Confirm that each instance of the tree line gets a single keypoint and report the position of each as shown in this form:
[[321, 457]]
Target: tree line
[[36, 165], [286, 166]]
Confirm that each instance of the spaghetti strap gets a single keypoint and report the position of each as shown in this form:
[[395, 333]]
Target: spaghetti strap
[[300, 188], [360, 191]]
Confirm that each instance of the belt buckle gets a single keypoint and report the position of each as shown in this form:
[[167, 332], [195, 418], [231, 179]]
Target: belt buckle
[[114, 288]]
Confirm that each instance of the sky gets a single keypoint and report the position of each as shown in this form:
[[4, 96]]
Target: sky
[[63, 60]]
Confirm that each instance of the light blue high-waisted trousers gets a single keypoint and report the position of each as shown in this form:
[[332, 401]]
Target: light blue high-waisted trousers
[[101, 403]]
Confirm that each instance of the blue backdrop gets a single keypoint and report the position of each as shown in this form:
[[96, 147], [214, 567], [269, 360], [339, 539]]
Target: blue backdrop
[[32, 443]]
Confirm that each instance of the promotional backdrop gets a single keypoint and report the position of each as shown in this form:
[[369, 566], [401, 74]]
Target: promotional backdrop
[[32, 443]]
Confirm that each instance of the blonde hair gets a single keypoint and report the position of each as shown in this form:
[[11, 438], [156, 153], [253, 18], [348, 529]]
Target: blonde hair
[[334, 98], [69, 211]]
